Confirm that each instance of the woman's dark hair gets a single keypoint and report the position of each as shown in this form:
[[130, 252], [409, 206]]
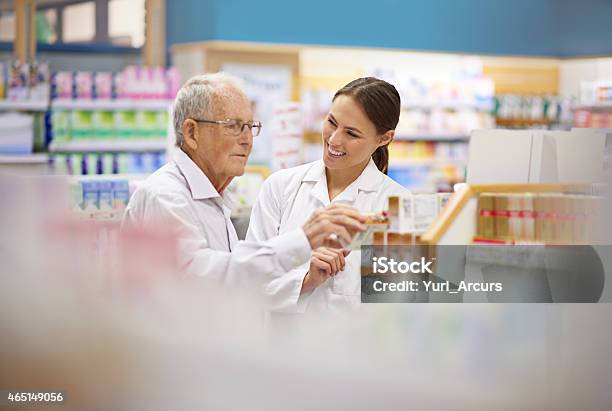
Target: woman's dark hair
[[381, 102]]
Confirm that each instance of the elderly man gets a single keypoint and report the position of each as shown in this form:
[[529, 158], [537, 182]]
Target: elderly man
[[214, 127]]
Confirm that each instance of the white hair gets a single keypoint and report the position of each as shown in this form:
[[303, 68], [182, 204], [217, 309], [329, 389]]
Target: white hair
[[195, 98]]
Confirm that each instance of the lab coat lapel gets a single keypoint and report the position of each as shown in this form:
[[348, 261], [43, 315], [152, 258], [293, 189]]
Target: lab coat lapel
[[316, 175], [369, 180]]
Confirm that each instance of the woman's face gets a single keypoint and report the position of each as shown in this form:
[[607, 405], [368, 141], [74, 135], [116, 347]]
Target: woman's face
[[349, 137]]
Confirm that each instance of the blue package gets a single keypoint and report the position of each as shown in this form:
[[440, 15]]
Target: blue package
[[121, 194], [105, 199], [91, 195]]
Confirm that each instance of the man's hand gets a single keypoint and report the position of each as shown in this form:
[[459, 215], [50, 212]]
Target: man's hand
[[324, 263], [333, 225]]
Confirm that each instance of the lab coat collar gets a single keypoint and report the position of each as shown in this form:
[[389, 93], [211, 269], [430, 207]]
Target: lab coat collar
[[200, 186], [370, 180], [316, 174]]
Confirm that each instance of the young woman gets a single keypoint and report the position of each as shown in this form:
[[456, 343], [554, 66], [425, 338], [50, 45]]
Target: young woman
[[356, 133]]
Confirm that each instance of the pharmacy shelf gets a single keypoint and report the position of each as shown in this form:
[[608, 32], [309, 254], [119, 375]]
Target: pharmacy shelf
[[114, 146], [25, 105], [38, 158], [448, 105], [131, 177], [415, 162], [523, 122], [432, 137], [123, 104], [602, 105]]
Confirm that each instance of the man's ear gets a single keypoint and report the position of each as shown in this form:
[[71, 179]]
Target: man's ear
[[190, 134], [386, 138]]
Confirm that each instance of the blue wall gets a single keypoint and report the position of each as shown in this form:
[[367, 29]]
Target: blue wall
[[585, 27], [520, 27], [190, 20]]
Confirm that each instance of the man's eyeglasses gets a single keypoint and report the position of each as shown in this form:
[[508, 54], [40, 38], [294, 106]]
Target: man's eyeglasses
[[236, 127]]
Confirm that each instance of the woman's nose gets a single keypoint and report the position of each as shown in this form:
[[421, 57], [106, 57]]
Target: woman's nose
[[333, 137]]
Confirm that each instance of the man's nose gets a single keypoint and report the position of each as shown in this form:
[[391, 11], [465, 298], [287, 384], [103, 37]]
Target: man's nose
[[246, 136]]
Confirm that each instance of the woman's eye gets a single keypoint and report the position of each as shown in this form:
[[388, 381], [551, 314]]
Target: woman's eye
[[330, 121], [350, 133]]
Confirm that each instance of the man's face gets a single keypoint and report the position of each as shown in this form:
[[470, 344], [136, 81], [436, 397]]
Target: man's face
[[224, 154]]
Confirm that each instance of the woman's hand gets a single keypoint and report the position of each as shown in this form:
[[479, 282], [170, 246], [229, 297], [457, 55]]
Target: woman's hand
[[333, 225], [325, 263]]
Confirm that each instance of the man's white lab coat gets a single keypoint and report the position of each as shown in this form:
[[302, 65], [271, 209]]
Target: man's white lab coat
[[180, 196]]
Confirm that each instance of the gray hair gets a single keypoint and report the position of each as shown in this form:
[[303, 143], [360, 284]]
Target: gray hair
[[195, 98]]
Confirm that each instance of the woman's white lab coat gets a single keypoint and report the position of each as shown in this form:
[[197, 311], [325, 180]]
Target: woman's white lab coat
[[287, 199]]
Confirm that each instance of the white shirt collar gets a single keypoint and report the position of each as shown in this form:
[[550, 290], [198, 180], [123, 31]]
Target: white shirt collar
[[199, 184], [370, 179]]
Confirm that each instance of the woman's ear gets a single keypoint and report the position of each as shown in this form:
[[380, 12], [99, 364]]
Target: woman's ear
[[386, 138], [190, 131]]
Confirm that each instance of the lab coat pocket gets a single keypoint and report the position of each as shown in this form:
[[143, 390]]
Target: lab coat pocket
[[348, 282]]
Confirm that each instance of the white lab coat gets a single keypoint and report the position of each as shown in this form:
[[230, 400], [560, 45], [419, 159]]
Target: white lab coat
[[286, 201], [181, 198]]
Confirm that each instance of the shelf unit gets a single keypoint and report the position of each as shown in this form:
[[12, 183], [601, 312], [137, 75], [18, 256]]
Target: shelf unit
[[24, 105], [122, 104], [25, 164], [432, 137], [522, 122], [428, 161], [601, 105], [38, 158], [31, 163], [447, 105], [109, 146]]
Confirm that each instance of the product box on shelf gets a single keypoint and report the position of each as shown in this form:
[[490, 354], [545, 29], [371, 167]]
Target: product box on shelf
[[16, 133], [105, 163], [412, 213], [103, 86], [549, 218], [100, 198], [39, 80], [62, 85], [146, 123], [125, 123], [81, 122], [18, 81], [2, 81], [25, 83], [105, 195], [376, 222], [60, 126], [83, 85], [103, 124], [91, 196]]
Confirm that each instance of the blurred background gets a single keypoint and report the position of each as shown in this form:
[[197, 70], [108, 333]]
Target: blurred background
[[86, 92]]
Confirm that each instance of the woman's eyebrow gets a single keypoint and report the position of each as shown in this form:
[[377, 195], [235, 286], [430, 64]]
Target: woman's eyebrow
[[331, 116], [353, 129]]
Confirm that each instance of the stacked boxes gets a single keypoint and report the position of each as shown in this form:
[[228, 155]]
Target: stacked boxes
[[100, 195], [550, 218], [84, 105], [415, 213], [105, 163]]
